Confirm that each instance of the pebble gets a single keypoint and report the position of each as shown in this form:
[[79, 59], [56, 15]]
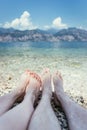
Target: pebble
[[9, 78]]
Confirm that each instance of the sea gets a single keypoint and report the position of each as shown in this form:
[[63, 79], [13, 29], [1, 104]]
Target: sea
[[70, 58]]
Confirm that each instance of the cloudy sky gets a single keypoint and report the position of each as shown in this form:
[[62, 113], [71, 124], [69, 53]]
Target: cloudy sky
[[43, 14]]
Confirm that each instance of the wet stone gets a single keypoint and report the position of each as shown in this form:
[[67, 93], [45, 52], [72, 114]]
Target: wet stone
[[9, 78]]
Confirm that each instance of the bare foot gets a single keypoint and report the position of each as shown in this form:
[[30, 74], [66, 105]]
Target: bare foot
[[24, 81], [58, 82], [76, 115], [34, 85], [46, 82]]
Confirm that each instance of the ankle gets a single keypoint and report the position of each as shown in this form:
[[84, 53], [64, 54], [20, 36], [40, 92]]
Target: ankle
[[59, 93], [47, 95]]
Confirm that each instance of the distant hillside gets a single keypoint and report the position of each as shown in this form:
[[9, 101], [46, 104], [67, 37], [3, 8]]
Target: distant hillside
[[70, 34]]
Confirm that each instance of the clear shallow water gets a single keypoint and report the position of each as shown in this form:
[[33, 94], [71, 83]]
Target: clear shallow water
[[68, 57], [44, 54], [44, 49]]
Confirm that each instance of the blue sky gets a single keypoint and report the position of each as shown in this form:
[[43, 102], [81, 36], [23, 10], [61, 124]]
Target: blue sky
[[43, 14]]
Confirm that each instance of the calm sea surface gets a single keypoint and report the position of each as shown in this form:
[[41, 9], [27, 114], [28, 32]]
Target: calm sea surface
[[36, 55]]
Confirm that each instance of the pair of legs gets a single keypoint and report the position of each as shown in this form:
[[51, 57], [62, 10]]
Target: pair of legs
[[43, 117], [18, 117]]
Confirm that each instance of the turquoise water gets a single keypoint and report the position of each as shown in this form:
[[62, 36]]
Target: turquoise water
[[70, 58], [37, 55]]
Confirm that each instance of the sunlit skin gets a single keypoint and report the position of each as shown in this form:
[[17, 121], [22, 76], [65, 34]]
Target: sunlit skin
[[76, 115], [31, 83], [44, 117]]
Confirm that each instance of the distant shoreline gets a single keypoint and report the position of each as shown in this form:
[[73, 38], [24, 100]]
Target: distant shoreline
[[70, 34]]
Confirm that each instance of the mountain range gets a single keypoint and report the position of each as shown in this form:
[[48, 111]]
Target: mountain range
[[70, 34]]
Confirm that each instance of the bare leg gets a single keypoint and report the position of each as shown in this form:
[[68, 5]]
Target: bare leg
[[76, 115], [8, 100], [18, 117], [44, 117]]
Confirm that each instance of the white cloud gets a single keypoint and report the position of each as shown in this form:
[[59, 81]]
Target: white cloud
[[57, 24], [23, 22]]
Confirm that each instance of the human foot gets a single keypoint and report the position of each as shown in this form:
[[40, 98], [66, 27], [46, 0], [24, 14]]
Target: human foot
[[24, 81], [46, 82], [34, 85], [58, 83], [75, 114]]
